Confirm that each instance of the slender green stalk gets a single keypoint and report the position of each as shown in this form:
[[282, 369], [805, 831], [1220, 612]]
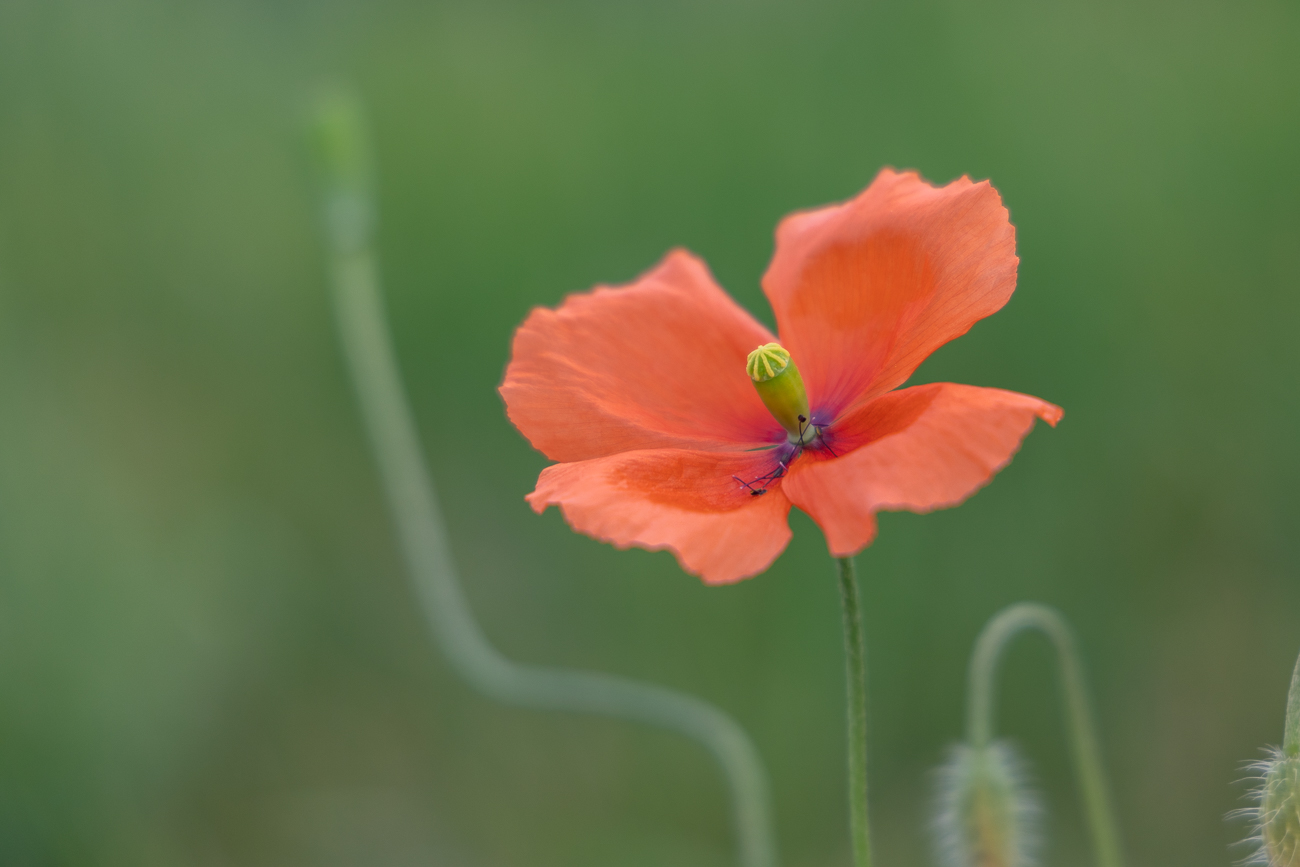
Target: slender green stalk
[[1291, 740], [1078, 712], [408, 486], [855, 670]]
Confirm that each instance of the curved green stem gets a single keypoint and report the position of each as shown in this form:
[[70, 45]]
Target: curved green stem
[[408, 486], [1078, 713], [855, 669]]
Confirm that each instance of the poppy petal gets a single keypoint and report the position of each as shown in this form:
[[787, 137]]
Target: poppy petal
[[684, 501], [922, 448], [657, 363], [864, 291]]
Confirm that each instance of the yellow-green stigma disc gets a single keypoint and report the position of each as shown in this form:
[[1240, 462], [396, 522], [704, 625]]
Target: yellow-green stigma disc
[[780, 387]]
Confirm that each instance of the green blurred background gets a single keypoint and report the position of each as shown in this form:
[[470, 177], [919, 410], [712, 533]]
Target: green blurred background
[[209, 654]]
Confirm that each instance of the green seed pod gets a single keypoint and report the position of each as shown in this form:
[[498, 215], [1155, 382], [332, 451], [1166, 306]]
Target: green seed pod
[[781, 389], [986, 816]]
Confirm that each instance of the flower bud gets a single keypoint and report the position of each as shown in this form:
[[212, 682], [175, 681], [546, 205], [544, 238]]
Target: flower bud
[[1279, 810], [986, 815], [1276, 813], [780, 386]]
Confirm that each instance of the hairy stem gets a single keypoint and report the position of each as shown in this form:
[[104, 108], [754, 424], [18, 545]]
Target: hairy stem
[[1078, 712], [349, 212], [855, 669]]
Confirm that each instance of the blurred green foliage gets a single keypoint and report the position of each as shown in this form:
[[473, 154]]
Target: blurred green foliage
[[208, 652]]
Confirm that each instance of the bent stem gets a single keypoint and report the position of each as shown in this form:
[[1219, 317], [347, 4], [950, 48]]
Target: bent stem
[[1078, 712], [855, 669], [412, 501]]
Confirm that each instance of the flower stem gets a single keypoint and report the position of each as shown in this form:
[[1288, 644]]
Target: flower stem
[[855, 659], [1078, 712], [422, 534]]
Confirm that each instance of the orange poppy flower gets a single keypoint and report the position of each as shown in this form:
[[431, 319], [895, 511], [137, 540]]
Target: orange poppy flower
[[641, 392]]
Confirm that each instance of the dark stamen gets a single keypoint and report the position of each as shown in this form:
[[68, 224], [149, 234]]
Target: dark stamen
[[809, 433]]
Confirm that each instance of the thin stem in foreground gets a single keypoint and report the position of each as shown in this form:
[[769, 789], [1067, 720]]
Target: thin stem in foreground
[[855, 659], [422, 533], [1078, 712]]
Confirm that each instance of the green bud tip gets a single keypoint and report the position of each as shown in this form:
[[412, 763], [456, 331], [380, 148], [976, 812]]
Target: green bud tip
[[779, 385], [986, 816]]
